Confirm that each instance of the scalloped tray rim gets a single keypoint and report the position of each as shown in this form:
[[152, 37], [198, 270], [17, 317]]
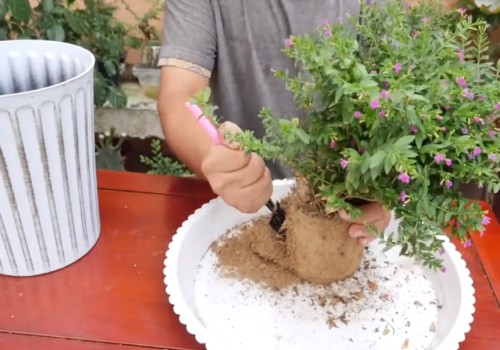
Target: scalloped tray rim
[[451, 342]]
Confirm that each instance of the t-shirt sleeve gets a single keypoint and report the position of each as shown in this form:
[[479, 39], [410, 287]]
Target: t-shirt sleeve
[[189, 34]]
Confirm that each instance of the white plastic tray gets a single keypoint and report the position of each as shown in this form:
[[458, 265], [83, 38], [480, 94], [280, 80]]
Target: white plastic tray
[[226, 314]]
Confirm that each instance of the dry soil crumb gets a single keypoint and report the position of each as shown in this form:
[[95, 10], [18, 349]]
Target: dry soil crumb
[[236, 259]]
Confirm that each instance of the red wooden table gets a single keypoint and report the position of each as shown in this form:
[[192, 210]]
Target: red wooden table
[[114, 297]]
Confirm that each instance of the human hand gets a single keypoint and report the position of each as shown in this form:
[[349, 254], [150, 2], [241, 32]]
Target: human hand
[[242, 180], [375, 215]]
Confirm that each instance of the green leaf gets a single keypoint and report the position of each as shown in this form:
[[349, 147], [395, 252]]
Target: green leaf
[[397, 97], [303, 136], [404, 141], [56, 33], [496, 188], [73, 22], [367, 84], [117, 97], [110, 67], [429, 148], [100, 91], [377, 159], [339, 93], [418, 140], [387, 165], [20, 10], [410, 154], [416, 97], [376, 171], [47, 5], [360, 71]]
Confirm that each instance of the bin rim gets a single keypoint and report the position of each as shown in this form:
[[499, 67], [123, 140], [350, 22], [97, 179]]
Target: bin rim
[[33, 45]]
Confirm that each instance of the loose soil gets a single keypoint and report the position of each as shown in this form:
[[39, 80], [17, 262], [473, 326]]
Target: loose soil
[[317, 247]]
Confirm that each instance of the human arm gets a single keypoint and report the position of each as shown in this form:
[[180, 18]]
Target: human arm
[[242, 180], [187, 59], [183, 135]]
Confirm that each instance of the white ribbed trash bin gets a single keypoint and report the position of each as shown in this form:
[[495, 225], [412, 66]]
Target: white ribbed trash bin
[[49, 215]]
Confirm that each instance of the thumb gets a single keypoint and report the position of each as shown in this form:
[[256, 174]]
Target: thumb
[[225, 130]]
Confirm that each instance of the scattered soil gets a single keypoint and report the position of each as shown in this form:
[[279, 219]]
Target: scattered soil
[[237, 259]]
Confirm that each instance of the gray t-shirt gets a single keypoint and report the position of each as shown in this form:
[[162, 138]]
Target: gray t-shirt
[[237, 43]]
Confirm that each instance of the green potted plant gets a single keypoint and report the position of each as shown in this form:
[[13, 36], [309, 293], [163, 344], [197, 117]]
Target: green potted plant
[[400, 110]]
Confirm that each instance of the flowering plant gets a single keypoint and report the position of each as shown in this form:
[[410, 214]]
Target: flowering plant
[[400, 110]]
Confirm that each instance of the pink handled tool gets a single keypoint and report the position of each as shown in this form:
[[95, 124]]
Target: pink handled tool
[[205, 123], [278, 217]]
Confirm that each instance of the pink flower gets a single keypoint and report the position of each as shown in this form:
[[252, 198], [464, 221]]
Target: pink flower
[[443, 269], [462, 11], [439, 118], [439, 158], [443, 129], [461, 82], [461, 55], [476, 151], [413, 129], [493, 157], [384, 94], [467, 243], [478, 120], [497, 106], [402, 196], [465, 131], [374, 104], [441, 251], [468, 94], [448, 184], [328, 32], [448, 162], [458, 224], [383, 114], [491, 133], [333, 144], [404, 178], [397, 68], [357, 115], [486, 220], [288, 43], [343, 163], [416, 34], [326, 22], [425, 20]]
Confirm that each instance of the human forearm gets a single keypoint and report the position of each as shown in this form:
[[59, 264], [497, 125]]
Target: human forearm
[[185, 137]]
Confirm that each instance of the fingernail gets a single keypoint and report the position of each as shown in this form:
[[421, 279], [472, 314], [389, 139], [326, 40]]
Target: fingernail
[[356, 233], [344, 216]]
